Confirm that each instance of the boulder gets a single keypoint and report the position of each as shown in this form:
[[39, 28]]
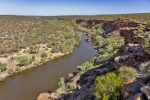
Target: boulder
[[53, 96], [43, 96], [138, 96], [146, 91], [89, 73], [117, 62]]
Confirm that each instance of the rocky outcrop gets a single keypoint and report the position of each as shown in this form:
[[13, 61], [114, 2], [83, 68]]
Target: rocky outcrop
[[44, 96], [108, 26], [146, 91], [139, 96], [133, 56], [130, 35]]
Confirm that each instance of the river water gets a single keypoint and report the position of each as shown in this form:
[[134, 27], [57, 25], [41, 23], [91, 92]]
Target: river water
[[27, 85]]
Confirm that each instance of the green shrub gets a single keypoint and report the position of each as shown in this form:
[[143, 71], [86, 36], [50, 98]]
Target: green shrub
[[69, 87], [85, 66], [2, 66], [108, 87], [10, 71], [46, 49], [1, 79], [146, 45], [23, 61], [62, 85], [33, 49], [17, 68], [70, 75], [127, 73]]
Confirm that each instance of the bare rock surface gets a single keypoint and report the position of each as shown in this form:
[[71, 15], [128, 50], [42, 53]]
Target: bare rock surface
[[44, 96], [146, 91]]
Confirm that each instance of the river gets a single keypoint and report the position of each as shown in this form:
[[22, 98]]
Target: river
[[27, 85]]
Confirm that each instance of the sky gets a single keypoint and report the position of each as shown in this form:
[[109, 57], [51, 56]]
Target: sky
[[72, 7]]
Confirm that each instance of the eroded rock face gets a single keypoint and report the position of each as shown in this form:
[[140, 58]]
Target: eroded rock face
[[133, 55], [44, 96], [53, 96], [138, 96], [107, 26], [146, 91]]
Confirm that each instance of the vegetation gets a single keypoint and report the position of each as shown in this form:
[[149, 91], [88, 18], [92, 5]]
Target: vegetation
[[107, 46], [2, 66], [1, 79], [70, 75], [85, 66], [33, 49], [10, 71], [147, 25], [108, 87], [65, 88], [24, 61], [127, 73], [17, 68], [146, 45]]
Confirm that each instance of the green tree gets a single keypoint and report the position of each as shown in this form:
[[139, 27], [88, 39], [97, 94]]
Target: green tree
[[108, 87]]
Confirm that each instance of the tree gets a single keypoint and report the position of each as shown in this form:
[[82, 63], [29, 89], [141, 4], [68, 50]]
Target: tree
[[108, 87], [127, 73]]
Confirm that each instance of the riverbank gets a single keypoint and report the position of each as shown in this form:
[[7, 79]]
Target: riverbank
[[13, 63], [45, 77]]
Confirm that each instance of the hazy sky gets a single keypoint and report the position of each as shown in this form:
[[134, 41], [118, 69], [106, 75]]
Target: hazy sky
[[72, 7]]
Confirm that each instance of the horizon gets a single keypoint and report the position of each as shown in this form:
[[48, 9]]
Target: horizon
[[73, 7]]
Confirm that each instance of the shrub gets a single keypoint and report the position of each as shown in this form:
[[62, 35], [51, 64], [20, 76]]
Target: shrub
[[42, 60], [2, 66], [46, 49], [147, 25], [127, 73], [17, 68], [43, 55], [1, 79], [70, 75], [65, 88], [69, 87], [62, 85], [33, 49], [146, 45], [85, 66], [23, 61], [108, 87], [10, 71]]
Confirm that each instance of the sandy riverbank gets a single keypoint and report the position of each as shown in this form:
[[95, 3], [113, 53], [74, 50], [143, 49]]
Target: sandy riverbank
[[12, 64]]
